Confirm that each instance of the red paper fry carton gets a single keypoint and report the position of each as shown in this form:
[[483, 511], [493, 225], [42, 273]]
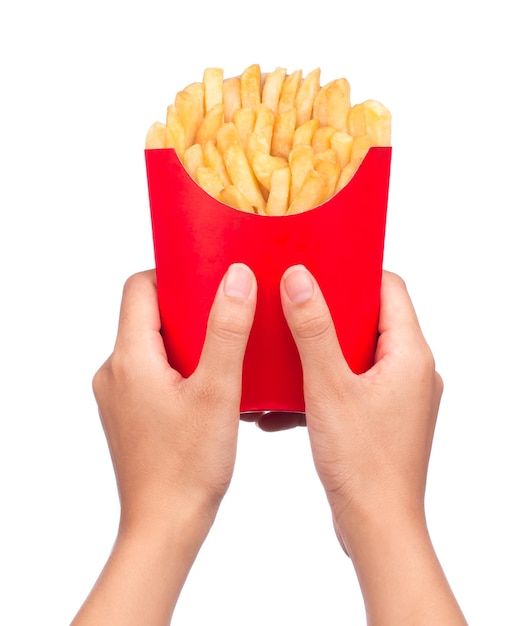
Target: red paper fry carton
[[196, 238]]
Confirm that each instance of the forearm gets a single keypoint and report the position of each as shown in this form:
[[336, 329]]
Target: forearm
[[401, 579], [144, 575]]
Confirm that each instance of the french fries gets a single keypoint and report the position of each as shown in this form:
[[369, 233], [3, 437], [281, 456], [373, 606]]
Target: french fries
[[273, 143]]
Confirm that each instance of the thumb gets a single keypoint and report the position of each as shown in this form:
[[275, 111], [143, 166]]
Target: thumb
[[229, 325], [311, 325]]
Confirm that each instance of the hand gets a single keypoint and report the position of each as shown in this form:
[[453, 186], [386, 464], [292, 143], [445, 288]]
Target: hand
[[371, 437], [171, 437], [173, 446], [371, 434]]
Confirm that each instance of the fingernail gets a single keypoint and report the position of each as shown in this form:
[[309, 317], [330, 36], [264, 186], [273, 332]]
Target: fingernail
[[298, 284], [238, 281]]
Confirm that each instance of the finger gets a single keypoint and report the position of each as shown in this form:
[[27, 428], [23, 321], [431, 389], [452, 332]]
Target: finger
[[274, 421], [398, 324], [139, 319], [312, 327], [229, 325]]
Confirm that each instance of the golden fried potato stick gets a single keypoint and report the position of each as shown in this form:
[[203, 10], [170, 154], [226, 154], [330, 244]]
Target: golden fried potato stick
[[244, 120], [332, 104], [330, 170], [226, 135], [242, 176], [232, 196], [304, 100], [197, 91], [301, 162], [213, 79], [193, 159], [341, 143], [175, 133], [313, 192], [190, 114], [264, 165], [283, 132], [272, 88], [360, 147], [322, 138], [304, 133], [156, 136], [251, 87], [231, 97], [264, 123], [373, 119], [210, 125], [213, 158], [290, 88], [209, 180], [278, 199], [326, 155], [256, 144]]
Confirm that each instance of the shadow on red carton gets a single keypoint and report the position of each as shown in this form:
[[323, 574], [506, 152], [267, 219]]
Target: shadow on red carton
[[196, 238]]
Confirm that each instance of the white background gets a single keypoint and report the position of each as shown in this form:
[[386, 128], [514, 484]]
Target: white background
[[80, 84]]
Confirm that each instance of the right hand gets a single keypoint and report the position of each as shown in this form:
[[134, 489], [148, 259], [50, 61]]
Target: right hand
[[370, 434], [371, 437]]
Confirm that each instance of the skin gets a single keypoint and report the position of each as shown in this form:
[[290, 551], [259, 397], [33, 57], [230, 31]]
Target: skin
[[173, 446], [371, 437]]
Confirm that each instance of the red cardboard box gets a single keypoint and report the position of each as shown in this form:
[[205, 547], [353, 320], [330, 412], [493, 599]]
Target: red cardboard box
[[196, 238]]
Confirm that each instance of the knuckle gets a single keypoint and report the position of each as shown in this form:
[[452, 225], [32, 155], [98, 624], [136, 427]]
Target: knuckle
[[135, 279], [136, 282], [100, 380], [313, 325], [229, 328], [115, 368], [117, 365], [391, 277], [439, 384], [131, 282], [427, 358], [424, 363], [424, 368]]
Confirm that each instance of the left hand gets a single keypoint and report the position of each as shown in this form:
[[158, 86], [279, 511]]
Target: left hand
[[173, 440], [173, 446]]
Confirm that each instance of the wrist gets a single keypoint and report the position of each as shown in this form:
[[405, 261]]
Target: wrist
[[374, 517], [400, 577], [179, 524], [380, 529], [377, 524], [148, 566]]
